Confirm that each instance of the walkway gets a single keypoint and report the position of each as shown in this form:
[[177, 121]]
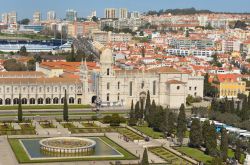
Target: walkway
[[7, 156]]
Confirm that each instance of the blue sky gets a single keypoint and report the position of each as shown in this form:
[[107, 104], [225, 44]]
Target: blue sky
[[25, 8]]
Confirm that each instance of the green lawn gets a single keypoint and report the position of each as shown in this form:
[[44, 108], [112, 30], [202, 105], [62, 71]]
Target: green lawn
[[130, 134], [22, 157], [195, 154], [89, 125], [5, 126], [230, 154], [26, 129], [47, 125], [170, 157], [149, 132], [44, 107], [93, 130], [68, 125], [26, 126]]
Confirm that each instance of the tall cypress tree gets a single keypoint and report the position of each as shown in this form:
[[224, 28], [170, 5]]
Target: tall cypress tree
[[237, 153], [244, 110], [147, 106], [205, 131], [144, 160], [132, 120], [171, 121], [137, 109], [65, 108], [224, 144], [232, 106], [181, 124], [132, 105], [211, 145], [195, 134], [141, 112], [248, 101], [152, 111], [20, 109]]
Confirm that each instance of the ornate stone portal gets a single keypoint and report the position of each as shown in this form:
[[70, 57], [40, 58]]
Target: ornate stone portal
[[67, 145]]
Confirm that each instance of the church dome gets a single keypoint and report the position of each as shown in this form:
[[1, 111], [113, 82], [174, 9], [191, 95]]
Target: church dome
[[106, 56]]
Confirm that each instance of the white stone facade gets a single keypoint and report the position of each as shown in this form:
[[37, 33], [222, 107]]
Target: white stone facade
[[167, 86]]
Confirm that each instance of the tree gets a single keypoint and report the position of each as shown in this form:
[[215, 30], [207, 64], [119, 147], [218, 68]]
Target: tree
[[144, 160], [217, 161], [31, 65], [187, 33], [65, 108], [237, 153], [20, 110], [132, 106], [151, 111], [195, 134], [158, 117], [23, 51], [71, 57], [115, 120], [141, 109], [248, 102], [147, 106], [132, 120], [181, 124], [24, 21], [205, 131], [137, 110], [94, 18], [171, 121], [224, 144], [13, 65], [211, 142]]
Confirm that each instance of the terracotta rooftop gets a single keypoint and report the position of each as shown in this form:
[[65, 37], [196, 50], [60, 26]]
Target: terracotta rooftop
[[175, 82], [21, 74], [55, 80]]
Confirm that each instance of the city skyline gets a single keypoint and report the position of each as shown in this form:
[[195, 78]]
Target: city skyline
[[28, 7]]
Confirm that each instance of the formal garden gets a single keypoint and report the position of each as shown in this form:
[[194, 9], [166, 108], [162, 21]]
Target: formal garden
[[169, 156], [189, 139], [28, 151], [12, 128]]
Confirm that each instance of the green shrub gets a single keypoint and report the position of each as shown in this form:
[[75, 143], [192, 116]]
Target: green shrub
[[107, 119]]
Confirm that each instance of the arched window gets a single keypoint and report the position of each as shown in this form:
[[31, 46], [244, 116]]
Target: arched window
[[71, 100], [108, 86], [55, 100], [40, 101], [24, 101], [32, 101], [62, 100], [154, 87], [15, 101], [47, 101], [48, 89], [1, 101], [79, 101], [118, 97], [108, 97], [7, 101]]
